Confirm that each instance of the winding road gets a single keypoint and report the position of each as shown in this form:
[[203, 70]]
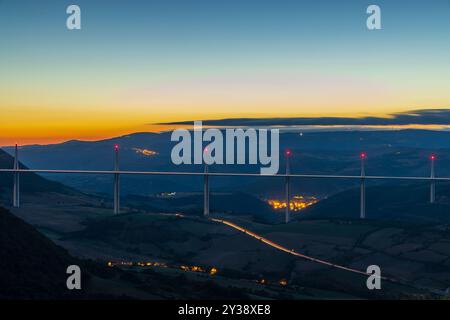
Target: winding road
[[289, 251]]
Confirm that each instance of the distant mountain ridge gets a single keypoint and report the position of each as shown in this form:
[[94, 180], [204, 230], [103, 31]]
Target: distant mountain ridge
[[393, 152]]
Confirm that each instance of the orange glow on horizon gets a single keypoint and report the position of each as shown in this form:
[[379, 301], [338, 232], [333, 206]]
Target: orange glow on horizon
[[92, 129]]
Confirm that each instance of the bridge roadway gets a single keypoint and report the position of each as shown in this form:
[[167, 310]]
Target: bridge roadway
[[224, 174]]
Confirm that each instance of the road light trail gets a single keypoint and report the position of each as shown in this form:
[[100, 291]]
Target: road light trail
[[323, 262], [303, 256], [292, 252]]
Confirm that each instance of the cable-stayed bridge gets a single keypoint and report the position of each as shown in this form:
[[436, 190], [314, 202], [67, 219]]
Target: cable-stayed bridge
[[206, 174]]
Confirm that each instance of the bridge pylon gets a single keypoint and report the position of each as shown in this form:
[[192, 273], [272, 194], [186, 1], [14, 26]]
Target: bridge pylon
[[433, 182], [362, 210], [16, 188], [287, 214], [116, 181]]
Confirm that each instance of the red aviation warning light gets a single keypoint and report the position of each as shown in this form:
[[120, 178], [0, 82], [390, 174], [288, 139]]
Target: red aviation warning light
[[433, 157], [288, 152], [116, 147], [363, 155]]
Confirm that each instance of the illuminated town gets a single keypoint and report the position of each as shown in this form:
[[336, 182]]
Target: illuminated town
[[297, 203], [145, 152], [212, 271]]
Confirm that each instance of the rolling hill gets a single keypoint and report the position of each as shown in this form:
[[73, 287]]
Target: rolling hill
[[407, 202], [30, 182], [417, 255], [31, 266]]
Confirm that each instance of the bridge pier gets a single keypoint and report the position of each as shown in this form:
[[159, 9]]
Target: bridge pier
[[288, 201], [362, 211], [206, 192]]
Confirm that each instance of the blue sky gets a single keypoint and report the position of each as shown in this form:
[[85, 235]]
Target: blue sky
[[136, 62]]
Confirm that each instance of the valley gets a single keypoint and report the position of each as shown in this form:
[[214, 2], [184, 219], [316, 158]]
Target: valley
[[161, 231]]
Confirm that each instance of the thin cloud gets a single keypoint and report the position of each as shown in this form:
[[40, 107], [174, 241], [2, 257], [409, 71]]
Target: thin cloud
[[414, 117]]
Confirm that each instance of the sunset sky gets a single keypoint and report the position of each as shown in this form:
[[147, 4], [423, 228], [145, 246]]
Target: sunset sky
[[135, 63]]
